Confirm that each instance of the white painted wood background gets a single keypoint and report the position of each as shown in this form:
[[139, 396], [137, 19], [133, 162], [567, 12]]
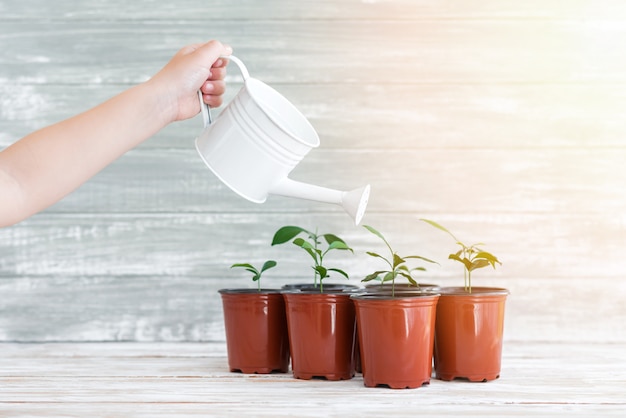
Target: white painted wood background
[[501, 119]]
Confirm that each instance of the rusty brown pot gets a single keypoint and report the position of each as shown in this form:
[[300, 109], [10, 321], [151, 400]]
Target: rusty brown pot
[[396, 338], [468, 333], [321, 334], [256, 330]]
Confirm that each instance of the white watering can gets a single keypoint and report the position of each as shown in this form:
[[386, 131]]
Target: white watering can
[[258, 139]]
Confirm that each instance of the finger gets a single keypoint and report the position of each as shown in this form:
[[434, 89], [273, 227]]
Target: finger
[[212, 50], [214, 87], [186, 50], [217, 74], [212, 100], [227, 51], [220, 63]]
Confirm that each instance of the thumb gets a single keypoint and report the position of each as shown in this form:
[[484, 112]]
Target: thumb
[[211, 51]]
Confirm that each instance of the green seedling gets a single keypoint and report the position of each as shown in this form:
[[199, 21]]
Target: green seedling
[[397, 265], [472, 257], [256, 273], [313, 245]]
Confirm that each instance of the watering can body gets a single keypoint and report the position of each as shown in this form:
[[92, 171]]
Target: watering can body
[[257, 140]]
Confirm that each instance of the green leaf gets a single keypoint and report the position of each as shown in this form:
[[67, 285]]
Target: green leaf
[[268, 265], [409, 278], [467, 263], [314, 254], [380, 256], [286, 233], [374, 231], [321, 270], [303, 244], [330, 238], [492, 259], [248, 267], [456, 256], [379, 235], [373, 276], [338, 245], [438, 226], [343, 273], [256, 274], [245, 265], [477, 264], [397, 260], [306, 246], [421, 258], [390, 276], [375, 255]]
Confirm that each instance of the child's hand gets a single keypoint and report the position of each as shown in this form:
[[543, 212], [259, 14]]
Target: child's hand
[[194, 67]]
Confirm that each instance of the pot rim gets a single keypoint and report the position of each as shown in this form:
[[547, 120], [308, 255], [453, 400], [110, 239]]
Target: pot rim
[[476, 291], [402, 285], [326, 285], [317, 292], [399, 294], [249, 291]]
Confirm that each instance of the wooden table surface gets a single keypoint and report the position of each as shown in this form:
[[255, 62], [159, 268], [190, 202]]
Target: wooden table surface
[[192, 379]]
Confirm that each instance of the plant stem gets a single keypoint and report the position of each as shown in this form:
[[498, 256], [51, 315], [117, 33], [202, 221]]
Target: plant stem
[[466, 273], [316, 262]]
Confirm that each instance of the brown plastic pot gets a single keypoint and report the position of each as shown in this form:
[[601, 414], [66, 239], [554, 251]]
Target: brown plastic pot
[[256, 330], [385, 288], [396, 338], [321, 334], [468, 333]]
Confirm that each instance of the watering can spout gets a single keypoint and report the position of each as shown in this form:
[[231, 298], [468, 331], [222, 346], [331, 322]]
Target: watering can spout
[[353, 202]]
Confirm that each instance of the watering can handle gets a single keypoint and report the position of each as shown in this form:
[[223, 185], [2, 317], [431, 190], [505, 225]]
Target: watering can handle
[[204, 108]]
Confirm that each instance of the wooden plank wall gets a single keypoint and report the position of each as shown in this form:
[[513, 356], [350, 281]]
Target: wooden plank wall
[[501, 119]]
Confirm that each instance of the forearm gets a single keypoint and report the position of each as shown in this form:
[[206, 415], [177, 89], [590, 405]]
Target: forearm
[[48, 164]]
